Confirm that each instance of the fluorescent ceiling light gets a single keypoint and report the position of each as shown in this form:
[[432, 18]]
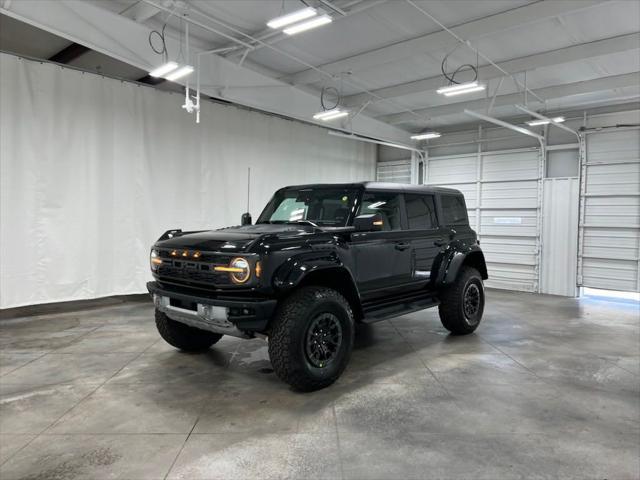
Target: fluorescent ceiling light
[[539, 121], [292, 17], [425, 136], [330, 114], [181, 72], [469, 89], [454, 88], [308, 25], [163, 69]]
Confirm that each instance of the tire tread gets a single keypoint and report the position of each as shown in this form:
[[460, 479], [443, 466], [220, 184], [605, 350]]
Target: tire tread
[[183, 336], [285, 324]]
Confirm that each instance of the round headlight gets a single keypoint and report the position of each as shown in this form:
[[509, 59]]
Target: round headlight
[[241, 270], [155, 259]]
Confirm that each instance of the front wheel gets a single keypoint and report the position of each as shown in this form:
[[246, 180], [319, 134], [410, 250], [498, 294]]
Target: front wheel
[[184, 337], [462, 303], [311, 338]]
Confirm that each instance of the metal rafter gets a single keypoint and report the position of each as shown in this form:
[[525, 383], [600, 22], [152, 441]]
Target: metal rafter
[[552, 92], [607, 46], [353, 81], [442, 40]]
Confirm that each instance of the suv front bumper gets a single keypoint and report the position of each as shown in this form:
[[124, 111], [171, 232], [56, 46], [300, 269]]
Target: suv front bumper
[[237, 317]]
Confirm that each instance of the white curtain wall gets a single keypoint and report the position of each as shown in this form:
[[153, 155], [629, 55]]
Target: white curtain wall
[[94, 170]]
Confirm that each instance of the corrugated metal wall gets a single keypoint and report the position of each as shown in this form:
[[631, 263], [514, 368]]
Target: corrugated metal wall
[[502, 190], [609, 250]]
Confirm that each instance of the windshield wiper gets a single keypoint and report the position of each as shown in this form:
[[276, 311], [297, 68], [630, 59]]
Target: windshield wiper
[[308, 222]]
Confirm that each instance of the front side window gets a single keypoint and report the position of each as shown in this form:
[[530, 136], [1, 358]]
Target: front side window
[[421, 212], [454, 210], [387, 205], [330, 207]]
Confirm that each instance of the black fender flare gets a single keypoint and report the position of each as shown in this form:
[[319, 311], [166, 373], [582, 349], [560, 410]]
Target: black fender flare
[[454, 257], [298, 267]]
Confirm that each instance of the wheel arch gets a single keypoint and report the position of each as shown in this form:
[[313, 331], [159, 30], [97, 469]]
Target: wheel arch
[[326, 271], [453, 262]]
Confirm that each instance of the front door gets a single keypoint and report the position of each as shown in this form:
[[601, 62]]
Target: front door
[[382, 259]]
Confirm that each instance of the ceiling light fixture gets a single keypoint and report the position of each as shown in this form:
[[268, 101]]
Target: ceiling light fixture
[[181, 72], [539, 121], [330, 114], [460, 89], [292, 17], [426, 136], [163, 69], [308, 25]]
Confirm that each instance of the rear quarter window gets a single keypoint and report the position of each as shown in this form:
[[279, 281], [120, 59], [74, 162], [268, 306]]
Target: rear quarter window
[[454, 210]]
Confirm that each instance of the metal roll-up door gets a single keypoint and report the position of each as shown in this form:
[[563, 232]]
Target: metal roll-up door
[[395, 171], [609, 246], [503, 193]]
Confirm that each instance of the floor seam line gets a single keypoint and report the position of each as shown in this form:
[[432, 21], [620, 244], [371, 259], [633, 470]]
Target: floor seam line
[[424, 363], [335, 421], [181, 448], [30, 361]]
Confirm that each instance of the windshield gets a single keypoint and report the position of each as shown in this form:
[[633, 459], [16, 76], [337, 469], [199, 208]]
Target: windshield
[[330, 207]]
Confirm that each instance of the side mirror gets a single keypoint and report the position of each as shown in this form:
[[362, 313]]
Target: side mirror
[[245, 219], [368, 223]]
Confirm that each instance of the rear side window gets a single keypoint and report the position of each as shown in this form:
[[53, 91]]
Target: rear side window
[[454, 210], [421, 212], [385, 204]]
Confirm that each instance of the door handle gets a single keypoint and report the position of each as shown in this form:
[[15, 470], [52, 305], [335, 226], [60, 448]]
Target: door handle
[[402, 246], [439, 242]]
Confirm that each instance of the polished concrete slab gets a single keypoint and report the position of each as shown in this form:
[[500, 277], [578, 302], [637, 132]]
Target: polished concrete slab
[[548, 387]]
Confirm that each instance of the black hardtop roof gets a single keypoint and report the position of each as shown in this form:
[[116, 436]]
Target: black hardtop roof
[[380, 186]]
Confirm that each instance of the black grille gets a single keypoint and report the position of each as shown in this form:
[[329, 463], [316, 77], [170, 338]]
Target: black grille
[[194, 274], [188, 269]]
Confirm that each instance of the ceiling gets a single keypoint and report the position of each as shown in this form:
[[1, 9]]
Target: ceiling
[[383, 56]]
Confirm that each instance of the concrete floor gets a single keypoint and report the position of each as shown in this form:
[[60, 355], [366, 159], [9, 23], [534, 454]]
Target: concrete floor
[[547, 388]]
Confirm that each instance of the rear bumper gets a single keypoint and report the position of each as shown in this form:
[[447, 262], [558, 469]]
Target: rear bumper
[[238, 317]]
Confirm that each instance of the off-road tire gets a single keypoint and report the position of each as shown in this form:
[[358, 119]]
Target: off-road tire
[[183, 336], [452, 303], [288, 337]]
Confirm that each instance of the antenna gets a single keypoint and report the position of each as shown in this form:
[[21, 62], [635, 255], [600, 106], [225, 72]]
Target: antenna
[[248, 186], [246, 217]]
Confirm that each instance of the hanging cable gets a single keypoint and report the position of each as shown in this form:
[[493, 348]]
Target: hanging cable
[[160, 35], [326, 104], [451, 77]]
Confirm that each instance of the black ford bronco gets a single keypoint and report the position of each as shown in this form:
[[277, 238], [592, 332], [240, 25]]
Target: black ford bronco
[[320, 258]]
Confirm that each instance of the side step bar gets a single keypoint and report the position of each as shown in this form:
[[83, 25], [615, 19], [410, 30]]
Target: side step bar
[[383, 309]]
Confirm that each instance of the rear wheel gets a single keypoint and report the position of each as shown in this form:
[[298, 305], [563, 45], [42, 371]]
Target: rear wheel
[[462, 303], [183, 336], [311, 338]]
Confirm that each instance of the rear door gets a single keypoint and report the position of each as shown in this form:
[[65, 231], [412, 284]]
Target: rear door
[[423, 234], [383, 258]]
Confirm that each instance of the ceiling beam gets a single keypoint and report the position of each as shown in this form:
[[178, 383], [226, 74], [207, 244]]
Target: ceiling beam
[[607, 46], [69, 53], [111, 34], [443, 41], [140, 11], [549, 93]]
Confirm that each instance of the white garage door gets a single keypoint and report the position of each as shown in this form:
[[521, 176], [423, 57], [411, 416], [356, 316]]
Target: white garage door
[[610, 211], [502, 190], [395, 171]]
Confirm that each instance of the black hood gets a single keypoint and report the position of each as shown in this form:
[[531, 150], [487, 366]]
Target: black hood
[[231, 238]]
